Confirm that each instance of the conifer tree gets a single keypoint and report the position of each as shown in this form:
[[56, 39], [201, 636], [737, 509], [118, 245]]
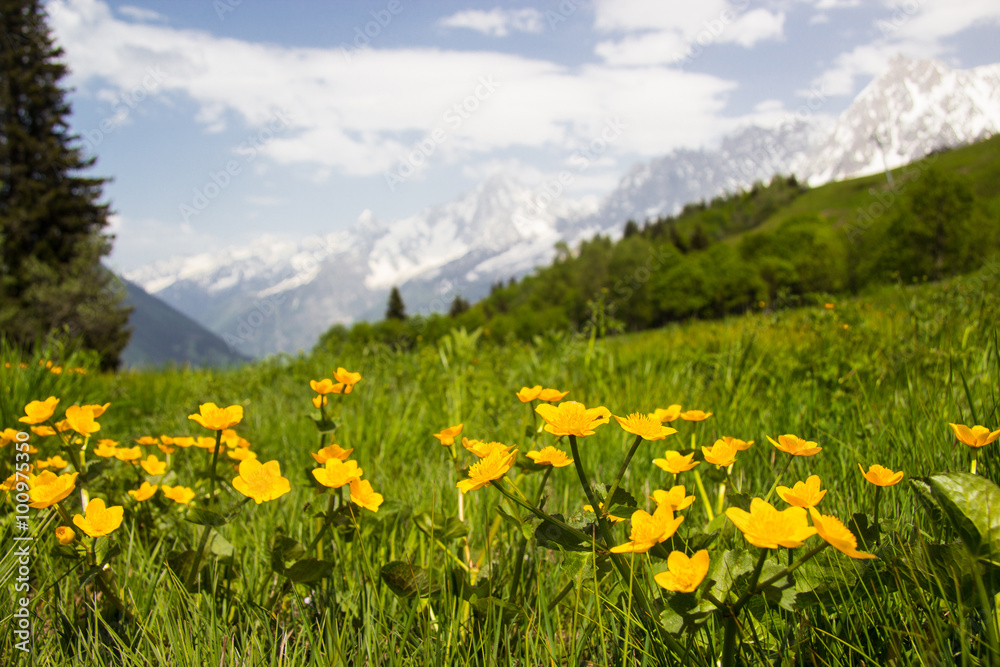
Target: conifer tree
[[396, 309], [52, 283]]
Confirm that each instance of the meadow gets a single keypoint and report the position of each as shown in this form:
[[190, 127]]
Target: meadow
[[516, 571]]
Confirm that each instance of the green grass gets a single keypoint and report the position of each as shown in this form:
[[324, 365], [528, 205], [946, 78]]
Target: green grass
[[882, 390]]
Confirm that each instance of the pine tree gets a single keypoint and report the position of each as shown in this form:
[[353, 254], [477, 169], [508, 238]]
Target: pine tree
[[458, 306], [396, 309], [52, 283]]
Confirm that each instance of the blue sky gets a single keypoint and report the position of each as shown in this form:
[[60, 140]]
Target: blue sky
[[224, 120]]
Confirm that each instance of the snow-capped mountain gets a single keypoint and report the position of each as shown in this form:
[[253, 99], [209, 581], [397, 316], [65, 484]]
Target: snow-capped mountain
[[278, 296]]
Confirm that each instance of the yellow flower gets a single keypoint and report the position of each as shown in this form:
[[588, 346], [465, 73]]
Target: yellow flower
[[486, 470], [49, 488], [611, 517], [128, 454], [179, 494], [153, 465], [322, 387], [261, 481], [644, 426], [234, 439], [676, 463], [37, 412], [483, 449], [144, 492], [676, 498], [65, 535], [550, 456], [101, 520], [880, 476], [740, 445], [528, 394], [337, 473], [837, 535], [215, 418], [648, 530], [695, 415], [184, 441], [828, 306], [56, 462], [81, 420], [447, 436], [572, 418], [147, 440], [977, 436], [805, 494], [347, 378], [669, 414], [683, 574], [721, 453], [552, 395], [796, 446], [332, 452], [7, 436], [11, 482], [105, 448], [766, 527], [240, 454], [362, 494], [98, 410], [319, 401], [43, 431]]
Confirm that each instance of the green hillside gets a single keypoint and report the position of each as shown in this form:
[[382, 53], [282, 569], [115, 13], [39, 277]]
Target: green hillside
[[774, 246]]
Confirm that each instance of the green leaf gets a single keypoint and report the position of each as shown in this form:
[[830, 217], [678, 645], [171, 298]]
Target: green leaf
[[94, 470], [323, 425], [507, 610], [180, 563], [105, 549], [867, 533], [64, 551], [407, 580], [925, 496], [204, 517], [551, 536], [444, 529], [219, 545], [521, 525], [972, 506], [285, 549], [309, 570]]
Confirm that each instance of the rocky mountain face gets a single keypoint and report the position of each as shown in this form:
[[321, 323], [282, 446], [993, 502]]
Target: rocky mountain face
[[279, 297]]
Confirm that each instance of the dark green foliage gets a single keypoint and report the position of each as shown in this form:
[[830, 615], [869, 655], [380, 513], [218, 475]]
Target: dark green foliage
[[396, 309], [52, 283], [458, 306]]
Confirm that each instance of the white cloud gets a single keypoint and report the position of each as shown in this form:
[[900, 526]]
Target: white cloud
[[665, 33], [497, 22], [141, 14], [913, 28], [363, 115]]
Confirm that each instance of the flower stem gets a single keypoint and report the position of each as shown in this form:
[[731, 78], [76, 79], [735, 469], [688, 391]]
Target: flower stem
[[777, 479], [542, 515], [704, 496], [192, 573], [621, 473]]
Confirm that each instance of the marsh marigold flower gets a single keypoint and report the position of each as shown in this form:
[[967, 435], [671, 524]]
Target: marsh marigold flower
[[337, 473], [683, 574], [483, 449], [128, 454], [261, 481], [49, 488], [572, 418], [319, 401], [153, 465], [668, 414], [648, 530], [7, 436], [552, 395], [81, 419], [448, 435], [486, 470], [147, 440], [740, 445], [977, 436], [322, 387], [805, 494], [43, 431], [215, 418], [644, 426], [333, 451], [56, 462], [528, 394], [676, 498], [241, 454], [144, 492], [65, 535], [836, 534], [178, 494], [675, 462], [37, 412], [796, 446], [100, 520], [98, 410], [363, 495], [721, 453], [347, 379], [768, 528], [106, 448], [695, 415], [550, 456], [880, 476]]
